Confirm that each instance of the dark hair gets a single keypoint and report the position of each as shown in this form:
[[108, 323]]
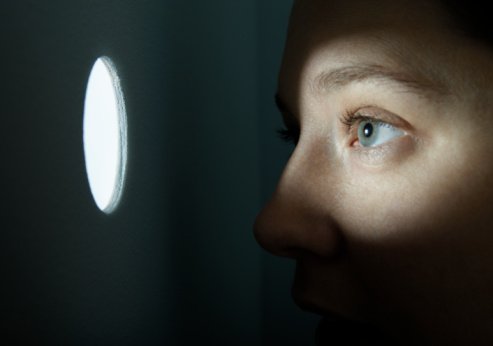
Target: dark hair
[[471, 19]]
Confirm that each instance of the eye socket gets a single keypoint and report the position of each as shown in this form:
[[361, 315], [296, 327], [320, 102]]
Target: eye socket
[[372, 133]]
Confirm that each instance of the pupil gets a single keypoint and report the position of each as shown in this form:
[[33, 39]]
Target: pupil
[[368, 130]]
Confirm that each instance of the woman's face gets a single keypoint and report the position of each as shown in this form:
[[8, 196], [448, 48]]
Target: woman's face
[[387, 201]]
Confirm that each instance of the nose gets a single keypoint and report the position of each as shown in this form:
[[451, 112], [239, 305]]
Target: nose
[[297, 219]]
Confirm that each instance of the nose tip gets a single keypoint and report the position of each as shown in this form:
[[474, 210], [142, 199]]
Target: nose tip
[[288, 229]]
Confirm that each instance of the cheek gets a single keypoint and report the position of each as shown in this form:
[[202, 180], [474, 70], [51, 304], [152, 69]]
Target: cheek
[[421, 234], [425, 196]]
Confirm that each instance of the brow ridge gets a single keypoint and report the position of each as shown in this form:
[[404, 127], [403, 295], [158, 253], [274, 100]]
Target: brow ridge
[[333, 80]]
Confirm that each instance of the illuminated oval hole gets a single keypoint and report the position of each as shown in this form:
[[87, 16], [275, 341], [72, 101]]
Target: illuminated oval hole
[[105, 135]]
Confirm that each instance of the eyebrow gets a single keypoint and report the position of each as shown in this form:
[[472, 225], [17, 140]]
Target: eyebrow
[[330, 81], [336, 79]]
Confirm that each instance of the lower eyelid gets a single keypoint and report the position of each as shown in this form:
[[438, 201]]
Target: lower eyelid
[[390, 152]]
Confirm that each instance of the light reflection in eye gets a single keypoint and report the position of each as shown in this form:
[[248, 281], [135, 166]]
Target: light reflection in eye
[[373, 133]]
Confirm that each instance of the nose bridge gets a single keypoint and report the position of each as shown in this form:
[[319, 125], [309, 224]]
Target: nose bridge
[[297, 218]]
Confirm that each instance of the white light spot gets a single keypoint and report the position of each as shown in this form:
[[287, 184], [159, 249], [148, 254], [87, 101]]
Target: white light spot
[[105, 135]]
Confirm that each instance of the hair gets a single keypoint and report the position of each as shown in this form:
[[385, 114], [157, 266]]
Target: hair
[[470, 19]]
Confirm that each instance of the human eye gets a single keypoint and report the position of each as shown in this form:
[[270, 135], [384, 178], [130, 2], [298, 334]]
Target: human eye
[[372, 133], [289, 135], [369, 130]]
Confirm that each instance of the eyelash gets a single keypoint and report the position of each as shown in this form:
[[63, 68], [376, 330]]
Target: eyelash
[[349, 119], [289, 135]]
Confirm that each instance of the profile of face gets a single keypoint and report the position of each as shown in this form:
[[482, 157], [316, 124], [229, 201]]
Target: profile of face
[[386, 203]]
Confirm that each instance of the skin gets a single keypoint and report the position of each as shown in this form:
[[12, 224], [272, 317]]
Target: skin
[[399, 235]]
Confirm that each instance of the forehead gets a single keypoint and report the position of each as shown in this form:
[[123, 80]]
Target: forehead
[[368, 8], [323, 34], [415, 37], [335, 17]]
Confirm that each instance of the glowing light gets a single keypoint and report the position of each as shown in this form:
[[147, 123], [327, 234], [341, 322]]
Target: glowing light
[[105, 135]]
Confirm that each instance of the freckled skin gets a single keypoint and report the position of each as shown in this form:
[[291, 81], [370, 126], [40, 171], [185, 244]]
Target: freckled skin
[[401, 235]]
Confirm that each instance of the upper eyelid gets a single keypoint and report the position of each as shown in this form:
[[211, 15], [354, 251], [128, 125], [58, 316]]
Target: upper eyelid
[[350, 118], [361, 118], [377, 114]]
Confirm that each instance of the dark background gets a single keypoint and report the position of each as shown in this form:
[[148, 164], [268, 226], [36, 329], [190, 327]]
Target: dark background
[[176, 263]]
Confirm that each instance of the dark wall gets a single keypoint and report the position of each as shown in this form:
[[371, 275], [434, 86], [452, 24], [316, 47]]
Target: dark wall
[[176, 263]]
